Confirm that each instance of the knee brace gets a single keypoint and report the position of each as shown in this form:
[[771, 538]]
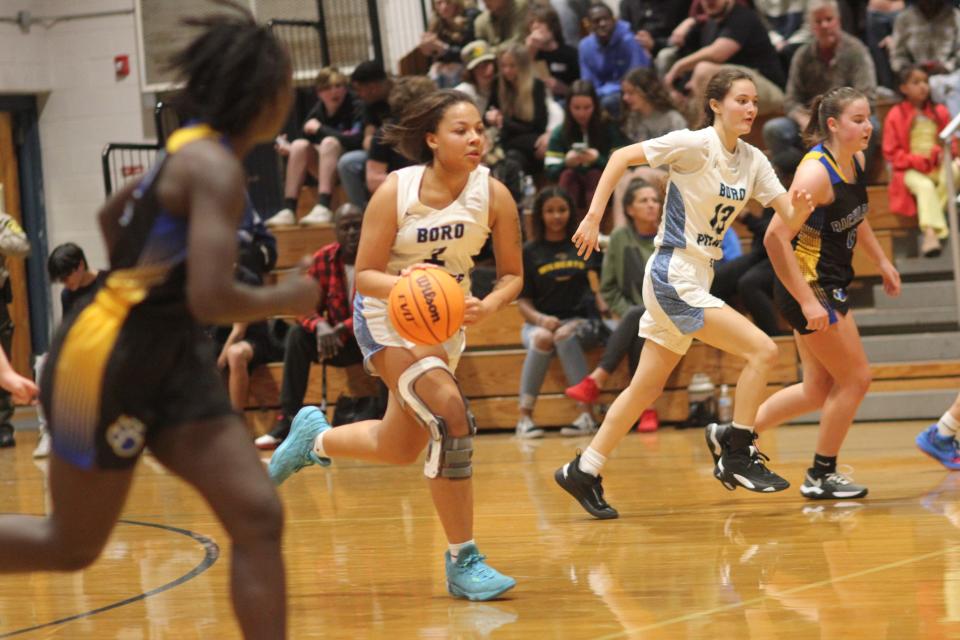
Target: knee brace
[[447, 456]]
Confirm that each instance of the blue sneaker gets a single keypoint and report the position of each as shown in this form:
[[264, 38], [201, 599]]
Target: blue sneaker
[[296, 450], [472, 578], [941, 449]]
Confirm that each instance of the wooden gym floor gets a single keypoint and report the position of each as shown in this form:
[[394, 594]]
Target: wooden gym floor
[[686, 559]]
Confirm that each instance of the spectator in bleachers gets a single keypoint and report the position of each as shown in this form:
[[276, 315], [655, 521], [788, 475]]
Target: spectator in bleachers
[[332, 127], [579, 148], [372, 85], [927, 33], [832, 59], [650, 112], [559, 305], [480, 73], [621, 285], [449, 31], [518, 108], [750, 277], [502, 22], [67, 265], [557, 63], [652, 21], [912, 147], [244, 347], [696, 14], [383, 158], [880, 16], [608, 53], [732, 35], [479, 76], [327, 334], [572, 14], [786, 28]]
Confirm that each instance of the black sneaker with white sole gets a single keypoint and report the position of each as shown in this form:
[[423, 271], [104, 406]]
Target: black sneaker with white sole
[[746, 467], [717, 435], [587, 489], [832, 486]]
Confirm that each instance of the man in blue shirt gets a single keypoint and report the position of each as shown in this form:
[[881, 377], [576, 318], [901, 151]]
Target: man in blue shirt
[[608, 53]]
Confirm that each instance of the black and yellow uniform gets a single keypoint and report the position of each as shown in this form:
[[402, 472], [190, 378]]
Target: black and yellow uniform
[[824, 245], [134, 360]]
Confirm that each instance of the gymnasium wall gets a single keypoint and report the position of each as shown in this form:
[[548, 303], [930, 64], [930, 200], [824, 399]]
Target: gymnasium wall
[[81, 103]]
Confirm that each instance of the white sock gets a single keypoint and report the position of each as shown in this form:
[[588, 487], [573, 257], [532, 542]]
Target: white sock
[[592, 461], [741, 426], [455, 548], [318, 445], [947, 426]]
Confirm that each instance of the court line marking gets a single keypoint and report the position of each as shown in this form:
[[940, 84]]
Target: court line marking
[[210, 556], [760, 599]]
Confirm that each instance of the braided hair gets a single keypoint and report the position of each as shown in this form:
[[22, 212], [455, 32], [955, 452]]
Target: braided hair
[[231, 71]]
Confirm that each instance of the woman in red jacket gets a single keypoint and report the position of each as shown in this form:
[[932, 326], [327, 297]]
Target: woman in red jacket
[[912, 147]]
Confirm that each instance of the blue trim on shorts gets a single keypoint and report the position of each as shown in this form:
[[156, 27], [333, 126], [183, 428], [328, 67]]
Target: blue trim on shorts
[[686, 318], [368, 346], [675, 219]]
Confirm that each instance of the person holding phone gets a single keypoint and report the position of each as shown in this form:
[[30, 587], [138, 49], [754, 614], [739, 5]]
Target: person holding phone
[[580, 147]]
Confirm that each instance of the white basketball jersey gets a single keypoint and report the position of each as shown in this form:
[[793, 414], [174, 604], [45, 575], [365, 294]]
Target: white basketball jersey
[[708, 187], [448, 237]]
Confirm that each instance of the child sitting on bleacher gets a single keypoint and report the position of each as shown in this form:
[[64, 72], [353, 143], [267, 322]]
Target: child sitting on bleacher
[[331, 128], [911, 146], [556, 304]]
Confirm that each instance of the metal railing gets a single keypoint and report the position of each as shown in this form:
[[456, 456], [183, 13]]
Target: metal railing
[[123, 161], [946, 137], [307, 43]]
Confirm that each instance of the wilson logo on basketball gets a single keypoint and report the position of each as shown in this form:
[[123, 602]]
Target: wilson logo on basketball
[[429, 297], [426, 306]]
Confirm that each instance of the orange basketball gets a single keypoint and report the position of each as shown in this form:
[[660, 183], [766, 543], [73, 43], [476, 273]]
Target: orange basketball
[[426, 306]]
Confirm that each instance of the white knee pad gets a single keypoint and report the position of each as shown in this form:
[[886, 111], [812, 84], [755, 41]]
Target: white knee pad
[[447, 456]]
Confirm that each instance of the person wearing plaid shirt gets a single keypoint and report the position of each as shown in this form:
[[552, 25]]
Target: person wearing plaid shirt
[[326, 335]]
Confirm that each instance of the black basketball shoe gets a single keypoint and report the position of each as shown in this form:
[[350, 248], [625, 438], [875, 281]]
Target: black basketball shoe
[[746, 466], [717, 435], [587, 489]]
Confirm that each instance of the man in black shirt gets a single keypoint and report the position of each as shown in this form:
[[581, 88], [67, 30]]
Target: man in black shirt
[[653, 21], [383, 158], [732, 35], [545, 41], [332, 127], [67, 265], [371, 84]]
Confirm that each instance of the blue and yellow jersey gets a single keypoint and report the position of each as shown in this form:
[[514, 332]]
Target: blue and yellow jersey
[[148, 261], [824, 244], [117, 364]]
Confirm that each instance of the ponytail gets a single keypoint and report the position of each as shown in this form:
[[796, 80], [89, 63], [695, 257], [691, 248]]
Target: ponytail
[[825, 106]]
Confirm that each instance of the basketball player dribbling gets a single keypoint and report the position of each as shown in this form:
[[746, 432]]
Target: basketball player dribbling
[[712, 176], [439, 212], [134, 369]]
